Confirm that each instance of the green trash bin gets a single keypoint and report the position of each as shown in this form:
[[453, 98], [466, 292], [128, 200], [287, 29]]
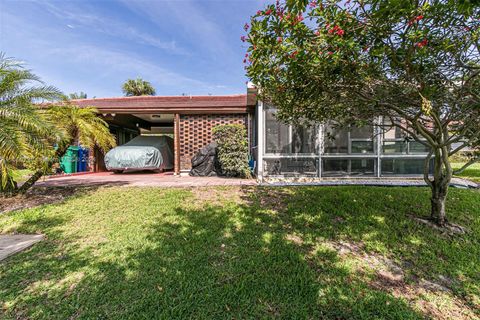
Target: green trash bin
[[68, 163]]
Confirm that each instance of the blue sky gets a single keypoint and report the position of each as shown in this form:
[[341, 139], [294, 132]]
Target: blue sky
[[182, 46]]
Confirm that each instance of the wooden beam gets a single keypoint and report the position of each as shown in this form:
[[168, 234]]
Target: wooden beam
[[170, 110], [127, 121], [176, 141]]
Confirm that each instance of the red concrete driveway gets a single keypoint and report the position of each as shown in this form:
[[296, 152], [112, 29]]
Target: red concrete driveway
[[142, 179]]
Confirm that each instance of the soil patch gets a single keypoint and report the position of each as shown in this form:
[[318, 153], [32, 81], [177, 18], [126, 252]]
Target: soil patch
[[390, 276], [35, 197]]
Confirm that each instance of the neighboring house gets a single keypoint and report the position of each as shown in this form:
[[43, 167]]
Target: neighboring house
[[280, 150]]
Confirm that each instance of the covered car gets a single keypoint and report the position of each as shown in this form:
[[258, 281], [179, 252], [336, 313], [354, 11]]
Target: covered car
[[142, 153]]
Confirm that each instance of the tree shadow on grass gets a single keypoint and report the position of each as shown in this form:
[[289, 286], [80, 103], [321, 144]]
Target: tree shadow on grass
[[204, 262], [213, 266], [373, 225]]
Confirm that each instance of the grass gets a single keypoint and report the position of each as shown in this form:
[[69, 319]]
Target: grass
[[471, 173], [291, 253]]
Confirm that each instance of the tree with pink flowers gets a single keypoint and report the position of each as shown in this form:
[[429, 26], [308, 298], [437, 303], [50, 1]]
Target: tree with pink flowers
[[415, 64]]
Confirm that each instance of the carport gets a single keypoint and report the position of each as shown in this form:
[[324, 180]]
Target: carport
[[189, 119]]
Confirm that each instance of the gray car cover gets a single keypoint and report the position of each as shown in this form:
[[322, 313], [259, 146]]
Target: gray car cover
[[142, 153]]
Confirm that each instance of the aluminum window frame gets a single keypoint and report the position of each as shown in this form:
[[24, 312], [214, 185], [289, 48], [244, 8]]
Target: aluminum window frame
[[350, 140], [290, 141], [377, 154]]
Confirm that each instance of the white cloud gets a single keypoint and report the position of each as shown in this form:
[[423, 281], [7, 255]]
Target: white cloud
[[194, 21], [110, 61], [72, 62], [52, 45], [90, 20]]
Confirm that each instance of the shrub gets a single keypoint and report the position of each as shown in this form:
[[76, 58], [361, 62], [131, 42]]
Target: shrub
[[232, 150]]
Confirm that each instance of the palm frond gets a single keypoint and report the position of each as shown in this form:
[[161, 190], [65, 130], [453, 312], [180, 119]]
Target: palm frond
[[84, 124], [6, 180], [138, 87], [24, 131], [12, 142]]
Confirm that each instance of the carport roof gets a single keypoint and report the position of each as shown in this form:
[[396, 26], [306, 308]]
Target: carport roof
[[238, 103]]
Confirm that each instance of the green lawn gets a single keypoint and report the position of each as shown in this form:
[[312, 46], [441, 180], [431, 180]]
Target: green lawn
[[252, 253], [472, 172]]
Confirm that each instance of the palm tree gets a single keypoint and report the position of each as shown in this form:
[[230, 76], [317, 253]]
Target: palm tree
[[77, 95], [23, 131], [137, 87], [77, 125]]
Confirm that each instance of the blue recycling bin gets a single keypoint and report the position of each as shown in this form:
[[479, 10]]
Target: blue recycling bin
[[82, 163]]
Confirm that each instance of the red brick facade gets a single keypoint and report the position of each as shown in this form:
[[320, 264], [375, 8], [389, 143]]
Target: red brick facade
[[196, 132]]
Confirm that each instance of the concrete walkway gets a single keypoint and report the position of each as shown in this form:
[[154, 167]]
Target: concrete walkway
[[383, 182], [141, 179], [11, 244], [150, 179]]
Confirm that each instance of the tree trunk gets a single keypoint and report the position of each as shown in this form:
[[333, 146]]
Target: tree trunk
[[438, 200], [30, 182], [442, 175], [39, 173]]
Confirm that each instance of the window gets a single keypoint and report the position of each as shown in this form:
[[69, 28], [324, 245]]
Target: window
[[337, 167], [281, 138], [361, 139], [304, 139], [352, 151], [335, 140], [291, 166], [334, 167], [397, 141], [395, 147], [276, 134], [415, 147], [402, 166], [348, 141], [363, 167]]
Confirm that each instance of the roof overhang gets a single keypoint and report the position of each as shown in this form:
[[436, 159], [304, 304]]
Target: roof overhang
[[228, 104]]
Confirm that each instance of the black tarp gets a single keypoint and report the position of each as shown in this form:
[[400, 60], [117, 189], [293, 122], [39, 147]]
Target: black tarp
[[205, 163]]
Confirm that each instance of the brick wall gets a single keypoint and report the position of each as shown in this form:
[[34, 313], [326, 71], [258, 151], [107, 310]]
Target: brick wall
[[196, 132]]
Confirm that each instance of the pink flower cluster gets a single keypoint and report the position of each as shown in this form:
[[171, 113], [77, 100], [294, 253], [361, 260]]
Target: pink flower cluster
[[327, 52], [422, 43], [336, 30], [416, 19], [247, 58], [267, 12], [295, 19]]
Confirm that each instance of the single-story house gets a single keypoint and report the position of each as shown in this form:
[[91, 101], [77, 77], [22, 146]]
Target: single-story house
[[280, 150]]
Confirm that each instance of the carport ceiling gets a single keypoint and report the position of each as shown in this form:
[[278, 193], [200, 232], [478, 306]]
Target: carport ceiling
[[155, 118]]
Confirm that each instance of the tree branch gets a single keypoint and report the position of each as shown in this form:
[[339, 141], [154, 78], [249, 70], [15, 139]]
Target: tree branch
[[466, 165]]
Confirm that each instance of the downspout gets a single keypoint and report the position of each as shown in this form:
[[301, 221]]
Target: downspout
[[260, 142]]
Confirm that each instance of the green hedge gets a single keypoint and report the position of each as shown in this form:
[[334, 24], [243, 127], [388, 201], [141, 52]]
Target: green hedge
[[232, 150]]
